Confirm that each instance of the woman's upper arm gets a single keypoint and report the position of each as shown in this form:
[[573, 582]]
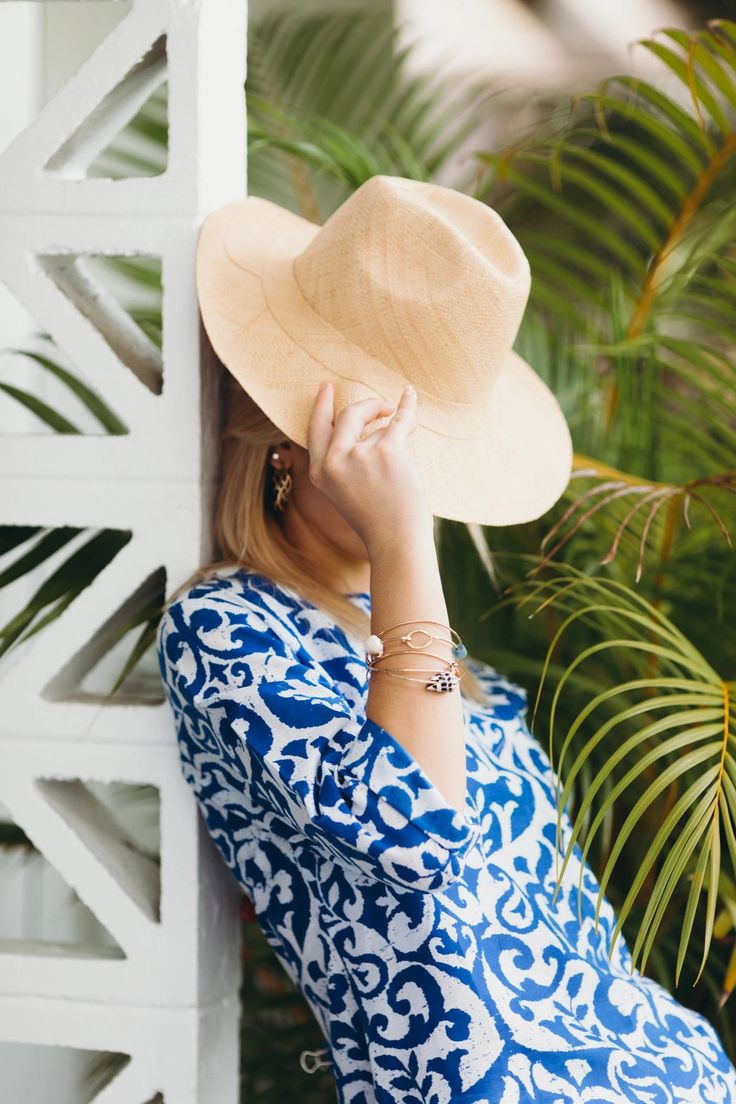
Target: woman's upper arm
[[337, 776]]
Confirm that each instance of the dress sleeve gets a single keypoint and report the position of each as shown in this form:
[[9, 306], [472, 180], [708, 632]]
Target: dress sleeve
[[339, 779]]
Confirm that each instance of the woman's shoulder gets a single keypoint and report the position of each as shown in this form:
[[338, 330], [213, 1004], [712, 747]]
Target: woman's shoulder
[[226, 595], [217, 626], [238, 586]]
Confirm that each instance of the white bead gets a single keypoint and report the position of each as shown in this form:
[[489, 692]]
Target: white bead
[[373, 645]]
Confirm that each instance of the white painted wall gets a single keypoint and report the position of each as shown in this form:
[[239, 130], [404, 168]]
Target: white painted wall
[[72, 30], [21, 96], [172, 1001]]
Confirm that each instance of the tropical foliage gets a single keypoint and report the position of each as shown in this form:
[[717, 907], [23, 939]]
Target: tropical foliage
[[615, 608]]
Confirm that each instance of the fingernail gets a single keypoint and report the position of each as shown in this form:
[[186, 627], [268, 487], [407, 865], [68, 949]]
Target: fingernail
[[408, 390]]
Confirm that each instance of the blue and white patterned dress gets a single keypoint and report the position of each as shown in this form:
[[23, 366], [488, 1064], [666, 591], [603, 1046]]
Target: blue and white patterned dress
[[425, 942]]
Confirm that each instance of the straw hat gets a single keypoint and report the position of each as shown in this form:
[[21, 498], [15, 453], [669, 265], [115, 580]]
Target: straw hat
[[407, 282]]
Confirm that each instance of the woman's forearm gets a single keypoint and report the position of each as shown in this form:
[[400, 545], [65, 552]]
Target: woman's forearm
[[406, 585], [371, 477]]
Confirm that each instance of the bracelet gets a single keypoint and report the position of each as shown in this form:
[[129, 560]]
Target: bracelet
[[417, 640], [371, 660], [374, 644], [440, 681]]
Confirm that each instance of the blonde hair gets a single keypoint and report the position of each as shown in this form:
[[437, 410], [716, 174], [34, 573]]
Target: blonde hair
[[247, 529]]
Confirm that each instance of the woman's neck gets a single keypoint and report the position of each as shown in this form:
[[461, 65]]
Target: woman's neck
[[348, 575]]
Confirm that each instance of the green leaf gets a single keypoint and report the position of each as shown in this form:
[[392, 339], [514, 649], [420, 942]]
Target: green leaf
[[49, 543], [619, 248], [674, 719], [672, 872], [64, 584], [692, 901], [612, 199], [651, 166], [639, 115], [681, 122], [145, 640], [663, 837], [581, 258], [704, 49], [13, 535], [688, 75], [41, 409], [89, 398], [686, 762], [631, 183]]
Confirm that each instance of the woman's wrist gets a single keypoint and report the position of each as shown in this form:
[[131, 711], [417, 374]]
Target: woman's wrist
[[403, 545], [405, 579]]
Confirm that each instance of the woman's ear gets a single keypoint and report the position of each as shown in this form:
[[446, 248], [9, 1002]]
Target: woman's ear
[[280, 456]]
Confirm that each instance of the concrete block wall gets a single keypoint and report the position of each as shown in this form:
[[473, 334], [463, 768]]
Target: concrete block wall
[[171, 1001]]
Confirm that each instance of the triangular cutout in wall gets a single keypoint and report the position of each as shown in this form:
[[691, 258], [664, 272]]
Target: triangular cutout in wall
[[126, 133], [95, 814], [122, 648], [121, 296], [29, 1069], [42, 391], [60, 38], [40, 913], [137, 809]]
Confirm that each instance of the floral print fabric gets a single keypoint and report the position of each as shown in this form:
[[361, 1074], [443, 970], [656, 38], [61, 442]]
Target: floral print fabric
[[425, 940]]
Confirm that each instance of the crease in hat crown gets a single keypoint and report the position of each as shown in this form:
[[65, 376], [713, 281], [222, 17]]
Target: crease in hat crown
[[425, 280]]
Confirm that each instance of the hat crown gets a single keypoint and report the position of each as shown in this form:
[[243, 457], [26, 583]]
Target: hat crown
[[425, 279]]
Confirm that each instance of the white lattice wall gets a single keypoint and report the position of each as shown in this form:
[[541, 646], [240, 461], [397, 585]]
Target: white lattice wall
[[171, 1001]]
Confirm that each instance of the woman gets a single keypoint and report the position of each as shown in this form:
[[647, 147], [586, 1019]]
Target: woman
[[398, 845]]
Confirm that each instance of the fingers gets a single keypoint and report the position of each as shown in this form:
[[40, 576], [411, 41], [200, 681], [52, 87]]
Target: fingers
[[320, 427], [403, 422], [340, 433], [352, 419]]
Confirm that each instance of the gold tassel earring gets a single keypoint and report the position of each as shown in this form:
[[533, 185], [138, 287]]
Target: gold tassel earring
[[282, 483]]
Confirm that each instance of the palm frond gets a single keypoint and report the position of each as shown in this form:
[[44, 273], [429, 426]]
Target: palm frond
[[635, 194], [674, 728], [642, 500], [320, 78]]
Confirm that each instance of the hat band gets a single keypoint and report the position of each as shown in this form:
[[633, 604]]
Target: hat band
[[309, 331]]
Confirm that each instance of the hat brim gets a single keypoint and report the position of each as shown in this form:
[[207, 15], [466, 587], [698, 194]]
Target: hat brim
[[280, 351]]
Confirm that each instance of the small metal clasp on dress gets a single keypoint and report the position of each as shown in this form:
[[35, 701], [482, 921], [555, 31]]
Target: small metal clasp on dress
[[311, 1062]]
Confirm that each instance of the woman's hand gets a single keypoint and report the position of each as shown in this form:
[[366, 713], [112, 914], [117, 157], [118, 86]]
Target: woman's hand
[[373, 482]]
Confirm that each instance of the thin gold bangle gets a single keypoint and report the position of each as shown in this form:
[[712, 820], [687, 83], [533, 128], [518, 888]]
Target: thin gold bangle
[[429, 670], [459, 650], [419, 621], [413, 651], [407, 678]]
